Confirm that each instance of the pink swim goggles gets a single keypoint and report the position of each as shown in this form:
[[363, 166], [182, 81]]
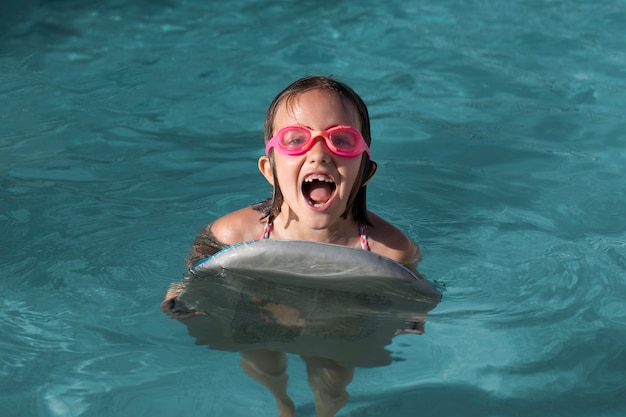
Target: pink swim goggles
[[344, 141]]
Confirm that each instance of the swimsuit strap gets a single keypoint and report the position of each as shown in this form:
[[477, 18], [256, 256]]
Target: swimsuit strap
[[266, 230], [362, 234]]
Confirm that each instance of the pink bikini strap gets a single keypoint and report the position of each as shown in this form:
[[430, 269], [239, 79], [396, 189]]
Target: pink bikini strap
[[363, 236], [266, 230]]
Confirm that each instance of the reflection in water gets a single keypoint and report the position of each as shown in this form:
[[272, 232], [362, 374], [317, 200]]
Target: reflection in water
[[347, 320]]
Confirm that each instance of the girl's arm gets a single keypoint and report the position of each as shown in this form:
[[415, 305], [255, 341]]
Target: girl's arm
[[204, 246], [414, 257]]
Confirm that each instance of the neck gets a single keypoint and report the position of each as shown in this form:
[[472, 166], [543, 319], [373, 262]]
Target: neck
[[341, 231]]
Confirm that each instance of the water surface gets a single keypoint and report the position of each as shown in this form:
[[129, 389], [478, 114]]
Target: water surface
[[498, 128]]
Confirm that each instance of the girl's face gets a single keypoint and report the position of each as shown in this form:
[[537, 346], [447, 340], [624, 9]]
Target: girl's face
[[316, 186]]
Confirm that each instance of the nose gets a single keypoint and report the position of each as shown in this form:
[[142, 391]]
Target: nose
[[319, 152]]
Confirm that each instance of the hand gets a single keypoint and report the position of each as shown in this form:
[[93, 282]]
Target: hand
[[281, 314], [174, 310]]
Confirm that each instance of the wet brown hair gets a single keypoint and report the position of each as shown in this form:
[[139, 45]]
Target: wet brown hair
[[357, 202]]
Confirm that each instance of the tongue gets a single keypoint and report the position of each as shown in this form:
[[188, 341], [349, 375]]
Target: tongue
[[319, 192]]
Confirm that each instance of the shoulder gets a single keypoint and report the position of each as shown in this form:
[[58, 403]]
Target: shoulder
[[239, 226], [387, 240]]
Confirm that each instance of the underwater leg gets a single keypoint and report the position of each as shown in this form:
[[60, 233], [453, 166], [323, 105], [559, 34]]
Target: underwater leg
[[268, 368]]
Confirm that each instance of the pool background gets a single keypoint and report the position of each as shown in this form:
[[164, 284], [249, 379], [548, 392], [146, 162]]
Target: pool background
[[499, 131]]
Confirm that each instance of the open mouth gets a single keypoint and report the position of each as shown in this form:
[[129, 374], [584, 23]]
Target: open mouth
[[318, 189]]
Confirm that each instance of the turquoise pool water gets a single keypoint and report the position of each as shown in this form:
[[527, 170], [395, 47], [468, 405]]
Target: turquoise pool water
[[499, 129]]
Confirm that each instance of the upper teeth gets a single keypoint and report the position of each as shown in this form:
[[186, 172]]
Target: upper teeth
[[318, 178]]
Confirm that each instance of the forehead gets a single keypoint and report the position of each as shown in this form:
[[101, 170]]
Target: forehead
[[316, 109]]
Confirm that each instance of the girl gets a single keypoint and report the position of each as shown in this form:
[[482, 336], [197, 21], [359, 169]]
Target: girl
[[317, 137]]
